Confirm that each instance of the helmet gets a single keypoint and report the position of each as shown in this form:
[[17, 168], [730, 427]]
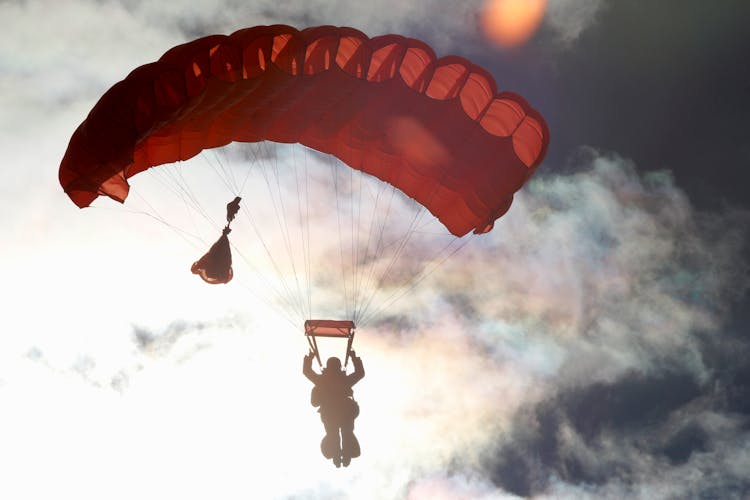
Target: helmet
[[333, 364]]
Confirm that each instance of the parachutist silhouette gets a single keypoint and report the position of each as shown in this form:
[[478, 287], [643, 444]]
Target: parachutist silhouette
[[334, 395]]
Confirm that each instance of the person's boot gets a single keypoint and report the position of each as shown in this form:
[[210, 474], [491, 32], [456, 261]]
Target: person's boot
[[349, 445]]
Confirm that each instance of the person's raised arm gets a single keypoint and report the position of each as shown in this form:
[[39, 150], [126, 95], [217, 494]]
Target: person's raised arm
[[307, 369], [359, 369]]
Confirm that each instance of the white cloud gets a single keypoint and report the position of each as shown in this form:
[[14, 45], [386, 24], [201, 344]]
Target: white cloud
[[615, 268], [568, 19]]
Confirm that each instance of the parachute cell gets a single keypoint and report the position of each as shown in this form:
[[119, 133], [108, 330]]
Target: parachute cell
[[437, 129]]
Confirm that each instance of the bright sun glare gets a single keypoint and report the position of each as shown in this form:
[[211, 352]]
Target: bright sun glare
[[213, 389], [510, 23]]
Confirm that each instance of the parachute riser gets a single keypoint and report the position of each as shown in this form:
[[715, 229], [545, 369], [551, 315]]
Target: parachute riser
[[348, 350], [314, 348]]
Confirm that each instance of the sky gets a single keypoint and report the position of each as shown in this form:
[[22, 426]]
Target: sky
[[592, 345]]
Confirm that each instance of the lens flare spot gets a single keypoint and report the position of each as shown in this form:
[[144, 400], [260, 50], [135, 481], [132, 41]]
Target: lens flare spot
[[510, 23]]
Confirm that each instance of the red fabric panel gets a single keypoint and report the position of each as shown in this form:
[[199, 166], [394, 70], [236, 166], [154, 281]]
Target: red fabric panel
[[435, 128], [447, 80]]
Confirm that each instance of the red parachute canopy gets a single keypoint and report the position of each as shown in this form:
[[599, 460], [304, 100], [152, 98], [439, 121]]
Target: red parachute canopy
[[437, 129]]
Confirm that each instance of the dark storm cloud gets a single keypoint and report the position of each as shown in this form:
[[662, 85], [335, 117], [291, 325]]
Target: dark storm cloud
[[665, 83], [629, 410], [666, 431]]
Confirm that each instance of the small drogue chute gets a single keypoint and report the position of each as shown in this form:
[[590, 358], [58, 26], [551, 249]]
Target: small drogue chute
[[215, 267]]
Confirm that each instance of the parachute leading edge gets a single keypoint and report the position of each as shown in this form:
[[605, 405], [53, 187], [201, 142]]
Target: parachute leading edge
[[332, 89]]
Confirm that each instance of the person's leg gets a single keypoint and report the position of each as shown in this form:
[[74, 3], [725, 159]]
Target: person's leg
[[330, 446], [349, 443]]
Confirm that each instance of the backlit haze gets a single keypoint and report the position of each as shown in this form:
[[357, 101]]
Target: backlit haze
[[588, 347]]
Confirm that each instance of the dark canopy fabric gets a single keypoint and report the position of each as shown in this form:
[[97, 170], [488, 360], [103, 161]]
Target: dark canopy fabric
[[437, 129]]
